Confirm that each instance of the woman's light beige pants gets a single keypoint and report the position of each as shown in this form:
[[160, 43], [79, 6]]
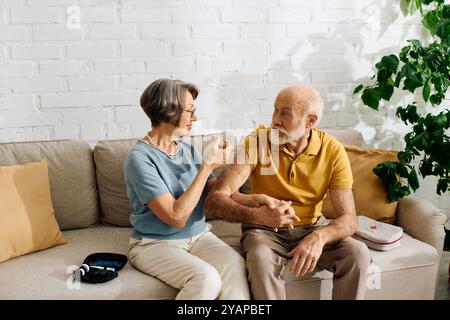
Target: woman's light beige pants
[[202, 267]]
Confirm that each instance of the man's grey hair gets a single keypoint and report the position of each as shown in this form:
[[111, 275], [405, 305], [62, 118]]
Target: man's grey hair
[[315, 106]]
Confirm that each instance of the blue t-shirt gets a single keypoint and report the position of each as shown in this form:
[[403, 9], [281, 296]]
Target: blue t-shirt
[[150, 173]]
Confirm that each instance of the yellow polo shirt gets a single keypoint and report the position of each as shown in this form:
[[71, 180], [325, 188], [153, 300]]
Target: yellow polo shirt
[[304, 179]]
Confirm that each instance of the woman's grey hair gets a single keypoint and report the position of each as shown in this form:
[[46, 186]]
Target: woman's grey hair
[[163, 100]]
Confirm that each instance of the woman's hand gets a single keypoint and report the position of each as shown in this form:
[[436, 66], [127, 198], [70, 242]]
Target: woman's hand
[[217, 153]]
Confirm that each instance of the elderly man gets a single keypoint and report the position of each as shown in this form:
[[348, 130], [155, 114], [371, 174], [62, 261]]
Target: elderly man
[[282, 219]]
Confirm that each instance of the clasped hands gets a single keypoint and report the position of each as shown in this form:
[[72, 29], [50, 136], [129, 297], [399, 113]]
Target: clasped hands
[[279, 213], [275, 213]]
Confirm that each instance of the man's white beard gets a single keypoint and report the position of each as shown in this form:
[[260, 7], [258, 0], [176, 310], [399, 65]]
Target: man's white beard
[[285, 137]]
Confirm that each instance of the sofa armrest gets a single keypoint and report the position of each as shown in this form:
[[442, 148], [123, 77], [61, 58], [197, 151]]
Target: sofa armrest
[[422, 221]]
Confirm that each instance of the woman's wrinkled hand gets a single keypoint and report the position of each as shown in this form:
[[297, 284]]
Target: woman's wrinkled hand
[[217, 153]]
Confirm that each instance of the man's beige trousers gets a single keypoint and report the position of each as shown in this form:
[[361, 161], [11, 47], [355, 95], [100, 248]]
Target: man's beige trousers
[[266, 257]]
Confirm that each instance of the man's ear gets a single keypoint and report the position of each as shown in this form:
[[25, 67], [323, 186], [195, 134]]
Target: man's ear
[[311, 121]]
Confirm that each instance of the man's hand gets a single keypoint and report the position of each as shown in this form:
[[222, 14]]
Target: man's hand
[[265, 200], [280, 215], [272, 203], [306, 254]]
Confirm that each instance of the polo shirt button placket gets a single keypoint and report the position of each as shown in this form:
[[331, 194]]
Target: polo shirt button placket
[[292, 168]]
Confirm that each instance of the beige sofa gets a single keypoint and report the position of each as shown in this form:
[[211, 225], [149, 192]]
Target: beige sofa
[[91, 207]]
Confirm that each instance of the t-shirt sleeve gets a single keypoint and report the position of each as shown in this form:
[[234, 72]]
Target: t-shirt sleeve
[[341, 177], [144, 178]]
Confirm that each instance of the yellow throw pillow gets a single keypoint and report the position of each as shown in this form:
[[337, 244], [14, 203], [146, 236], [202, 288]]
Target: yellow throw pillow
[[368, 190], [27, 219]]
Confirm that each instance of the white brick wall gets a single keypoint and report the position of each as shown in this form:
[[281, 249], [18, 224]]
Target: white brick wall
[[3, 16], [18, 69], [100, 13], [74, 100], [242, 15], [26, 103], [36, 15], [36, 85], [51, 32], [92, 84], [9, 33], [145, 15], [35, 52], [144, 49], [57, 68], [58, 83], [112, 31], [165, 31], [90, 51]]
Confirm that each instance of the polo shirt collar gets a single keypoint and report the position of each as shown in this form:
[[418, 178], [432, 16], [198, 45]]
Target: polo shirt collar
[[313, 147]]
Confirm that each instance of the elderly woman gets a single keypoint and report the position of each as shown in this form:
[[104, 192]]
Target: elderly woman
[[167, 182]]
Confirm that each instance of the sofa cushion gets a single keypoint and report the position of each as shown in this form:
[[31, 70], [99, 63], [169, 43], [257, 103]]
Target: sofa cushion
[[71, 173], [368, 190], [27, 219], [230, 232], [346, 136], [411, 253], [109, 156], [47, 274]]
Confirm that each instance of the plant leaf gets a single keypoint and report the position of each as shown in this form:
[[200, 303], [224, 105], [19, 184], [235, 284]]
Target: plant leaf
[[408, 114], [383, 75], [443, 31], [409, 71], [419, 143], [403, 172], [371, 98], [403, 54], [386, 91], [358, 89], [430, 20], [441, 186], [426, 92], [390, 62], [435, 99], [433, 60], [412, 180], [426, 168], [411, 85], [411, 6], [390, 165], [405, 156]]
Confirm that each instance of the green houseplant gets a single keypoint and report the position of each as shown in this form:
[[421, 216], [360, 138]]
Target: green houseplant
[[423, 68]]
